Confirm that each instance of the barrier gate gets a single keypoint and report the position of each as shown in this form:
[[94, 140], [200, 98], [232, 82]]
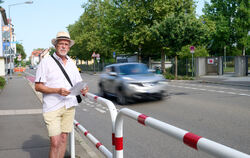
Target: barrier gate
[[190, 139]]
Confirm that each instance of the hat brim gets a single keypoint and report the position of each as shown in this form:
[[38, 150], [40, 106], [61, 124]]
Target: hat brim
[[54, 41]]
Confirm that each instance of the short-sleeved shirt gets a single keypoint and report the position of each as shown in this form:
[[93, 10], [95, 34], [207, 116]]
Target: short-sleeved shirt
[[49, 73]]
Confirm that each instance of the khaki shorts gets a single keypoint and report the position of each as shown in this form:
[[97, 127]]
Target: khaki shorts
[[59, 121]]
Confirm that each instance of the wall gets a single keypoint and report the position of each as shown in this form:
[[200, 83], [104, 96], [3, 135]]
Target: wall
[[201, 66]]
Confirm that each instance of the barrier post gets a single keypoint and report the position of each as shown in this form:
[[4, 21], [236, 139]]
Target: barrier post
[[112, 110], [72, 143]]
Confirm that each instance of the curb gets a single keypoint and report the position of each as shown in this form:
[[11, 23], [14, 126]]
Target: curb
[[223, 83]]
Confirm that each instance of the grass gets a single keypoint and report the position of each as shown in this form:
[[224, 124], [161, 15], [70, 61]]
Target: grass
[[172, 77], [2, 82], [229, 69]]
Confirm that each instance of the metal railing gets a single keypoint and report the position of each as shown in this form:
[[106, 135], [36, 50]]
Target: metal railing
[[190, 139], [113, 114]]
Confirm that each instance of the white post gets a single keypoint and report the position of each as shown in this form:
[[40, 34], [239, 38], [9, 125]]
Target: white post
[[72, 143]]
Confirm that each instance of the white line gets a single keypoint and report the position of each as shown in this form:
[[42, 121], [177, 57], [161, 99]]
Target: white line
[[211, 90], [84, 109], [213, 87], [244, 94], [21, 112], [100, 110]]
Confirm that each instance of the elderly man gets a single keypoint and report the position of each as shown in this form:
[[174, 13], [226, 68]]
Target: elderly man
[[58, 104]]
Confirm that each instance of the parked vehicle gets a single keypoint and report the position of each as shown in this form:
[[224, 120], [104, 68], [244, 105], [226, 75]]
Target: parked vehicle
[[130, 81]]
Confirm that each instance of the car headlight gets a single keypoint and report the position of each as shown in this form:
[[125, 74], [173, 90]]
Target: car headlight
[[163, 82]]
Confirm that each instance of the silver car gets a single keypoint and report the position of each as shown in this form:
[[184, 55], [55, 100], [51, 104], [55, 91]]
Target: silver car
[[130, 81]]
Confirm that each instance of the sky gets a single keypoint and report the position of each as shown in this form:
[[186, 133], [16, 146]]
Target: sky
[[36, 24]]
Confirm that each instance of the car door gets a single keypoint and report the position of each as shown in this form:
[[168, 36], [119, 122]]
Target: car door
[[112, 80]]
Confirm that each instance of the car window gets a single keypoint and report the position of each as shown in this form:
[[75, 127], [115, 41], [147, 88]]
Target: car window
[[112, 69], [107, 70], [133, 69]]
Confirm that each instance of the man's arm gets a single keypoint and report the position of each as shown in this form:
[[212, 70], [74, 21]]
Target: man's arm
[[40, 87]]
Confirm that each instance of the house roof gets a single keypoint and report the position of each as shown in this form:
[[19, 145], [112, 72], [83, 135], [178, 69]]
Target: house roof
[[36, 52]]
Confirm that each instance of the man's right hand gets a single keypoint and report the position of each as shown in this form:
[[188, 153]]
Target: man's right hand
[[63, 92]]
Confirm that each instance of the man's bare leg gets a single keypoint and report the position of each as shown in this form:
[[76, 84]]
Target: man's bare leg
[[55, 142], [63, 144]]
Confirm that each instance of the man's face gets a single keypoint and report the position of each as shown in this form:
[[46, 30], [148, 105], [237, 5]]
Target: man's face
[[62, 47]]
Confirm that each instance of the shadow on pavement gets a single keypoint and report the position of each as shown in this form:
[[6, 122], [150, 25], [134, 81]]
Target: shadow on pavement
[[37, 146]]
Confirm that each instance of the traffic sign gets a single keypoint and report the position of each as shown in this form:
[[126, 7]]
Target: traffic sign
[[93, 55], [192, 49]]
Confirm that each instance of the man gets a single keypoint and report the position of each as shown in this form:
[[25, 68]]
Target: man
[[58, 104]]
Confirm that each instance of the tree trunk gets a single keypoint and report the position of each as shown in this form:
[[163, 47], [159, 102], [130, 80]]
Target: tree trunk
[[163, 62], [243, 51], [176, 67]]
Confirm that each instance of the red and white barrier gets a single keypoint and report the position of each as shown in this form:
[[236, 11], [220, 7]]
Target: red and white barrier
[[97, 143], [112, 110], [190, 139]]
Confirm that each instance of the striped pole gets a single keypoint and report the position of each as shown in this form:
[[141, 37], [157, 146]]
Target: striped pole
[[97, 143], [112, 110], [192, 140]]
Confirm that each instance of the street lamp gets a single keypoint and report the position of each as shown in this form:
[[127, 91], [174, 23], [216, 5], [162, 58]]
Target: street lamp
[[10, 26], [27, 2]]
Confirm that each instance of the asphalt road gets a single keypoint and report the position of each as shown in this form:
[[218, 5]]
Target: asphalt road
[[218, 112]]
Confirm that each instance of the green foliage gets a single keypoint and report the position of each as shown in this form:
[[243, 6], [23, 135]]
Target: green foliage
[[200, 51], [180, 30], [2, 82], [20, 50], [232, 21], [52, 50], [172, 77]]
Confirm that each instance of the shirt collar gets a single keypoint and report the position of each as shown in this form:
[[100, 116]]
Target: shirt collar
[[58, 58]]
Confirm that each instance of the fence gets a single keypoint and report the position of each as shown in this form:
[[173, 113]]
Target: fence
[[192, 140], [113, 114]]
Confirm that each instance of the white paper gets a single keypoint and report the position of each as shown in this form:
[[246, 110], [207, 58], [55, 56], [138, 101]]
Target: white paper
[[76, 90]]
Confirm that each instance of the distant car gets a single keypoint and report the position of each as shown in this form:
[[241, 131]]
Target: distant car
[[79, 69], [130, 81]]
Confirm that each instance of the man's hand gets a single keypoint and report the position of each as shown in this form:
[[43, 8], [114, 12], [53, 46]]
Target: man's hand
[[63, 92], [85, 90]]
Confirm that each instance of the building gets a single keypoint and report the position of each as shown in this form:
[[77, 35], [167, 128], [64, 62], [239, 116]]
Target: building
[[35, 57], [3, 60]]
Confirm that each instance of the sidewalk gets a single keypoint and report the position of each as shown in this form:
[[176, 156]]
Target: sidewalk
[[227, 79], [23, 132]]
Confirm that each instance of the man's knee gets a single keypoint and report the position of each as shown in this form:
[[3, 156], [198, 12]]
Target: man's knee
[[64, 137], [55, 141]]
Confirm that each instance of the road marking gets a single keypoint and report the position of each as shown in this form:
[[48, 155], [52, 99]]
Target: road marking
[[211, 90], [83, 109], [100, 110], [213, 87], [20, 112]]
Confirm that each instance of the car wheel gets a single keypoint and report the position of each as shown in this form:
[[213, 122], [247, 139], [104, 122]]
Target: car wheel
[[120, 98], [102, 92]]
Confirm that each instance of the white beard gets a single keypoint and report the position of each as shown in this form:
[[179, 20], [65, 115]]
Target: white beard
[[63, 52]]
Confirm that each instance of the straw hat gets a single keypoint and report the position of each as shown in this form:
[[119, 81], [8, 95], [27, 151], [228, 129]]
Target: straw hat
[[64, 36]]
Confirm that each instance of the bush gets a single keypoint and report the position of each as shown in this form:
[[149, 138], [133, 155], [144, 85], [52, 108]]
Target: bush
[[172, 77], [2, 82]]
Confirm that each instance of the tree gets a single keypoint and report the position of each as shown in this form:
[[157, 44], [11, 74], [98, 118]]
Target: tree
[[177, 31], [231, 19], [20, 50]]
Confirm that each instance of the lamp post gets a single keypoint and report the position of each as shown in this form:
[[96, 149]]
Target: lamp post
[[10, 26]]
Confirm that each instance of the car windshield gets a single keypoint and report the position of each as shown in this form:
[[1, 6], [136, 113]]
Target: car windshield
[[133, 69]]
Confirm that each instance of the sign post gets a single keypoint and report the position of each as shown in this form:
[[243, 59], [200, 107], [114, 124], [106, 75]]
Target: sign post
[[192, 52], [98, 60], [94, 56]]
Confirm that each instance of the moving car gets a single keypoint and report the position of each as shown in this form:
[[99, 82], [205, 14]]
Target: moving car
[[130, 81]]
